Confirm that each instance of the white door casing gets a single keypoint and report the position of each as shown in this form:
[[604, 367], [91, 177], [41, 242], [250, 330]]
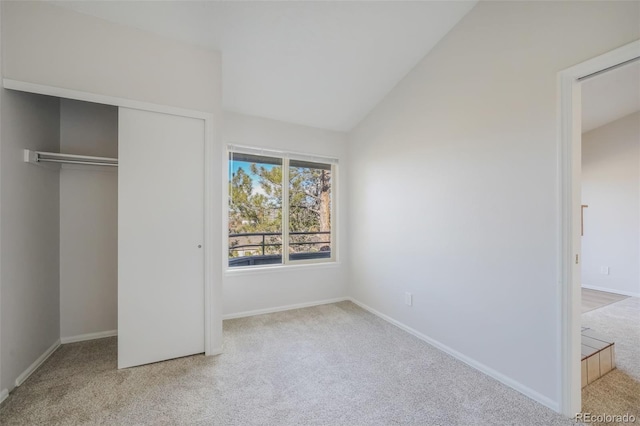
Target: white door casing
[[569, 241]]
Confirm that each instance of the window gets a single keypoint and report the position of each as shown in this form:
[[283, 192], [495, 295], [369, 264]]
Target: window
[[273, 223]]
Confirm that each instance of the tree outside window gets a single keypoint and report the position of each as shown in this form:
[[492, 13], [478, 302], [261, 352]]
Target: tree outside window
[[259, 210]]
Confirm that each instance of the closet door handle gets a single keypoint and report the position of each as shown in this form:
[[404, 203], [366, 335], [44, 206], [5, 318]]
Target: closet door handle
[[199, 245]]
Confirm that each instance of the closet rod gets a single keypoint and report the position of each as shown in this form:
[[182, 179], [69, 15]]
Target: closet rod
[[56, 157], [86, 163]]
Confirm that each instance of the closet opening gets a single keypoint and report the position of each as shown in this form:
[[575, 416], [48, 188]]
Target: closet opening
[[77, 158], [88, 222]]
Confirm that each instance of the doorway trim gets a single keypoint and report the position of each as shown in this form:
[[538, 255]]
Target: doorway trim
[[212, 283], [569, 201]]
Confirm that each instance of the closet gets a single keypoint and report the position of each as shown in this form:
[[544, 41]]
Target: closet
[[132, 226]]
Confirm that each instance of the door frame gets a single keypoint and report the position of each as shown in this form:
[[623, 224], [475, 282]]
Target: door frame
[[212, 286], [569, 201]]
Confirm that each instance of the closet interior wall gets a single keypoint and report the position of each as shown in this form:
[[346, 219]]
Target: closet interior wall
[[29, 247], [88, 222]]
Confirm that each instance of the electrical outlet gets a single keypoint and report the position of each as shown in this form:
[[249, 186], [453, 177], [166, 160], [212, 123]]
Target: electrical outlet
[[408, 299], [604, 270]]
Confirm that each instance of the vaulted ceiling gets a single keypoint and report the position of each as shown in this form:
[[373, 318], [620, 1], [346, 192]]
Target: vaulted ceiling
[[324, 64]]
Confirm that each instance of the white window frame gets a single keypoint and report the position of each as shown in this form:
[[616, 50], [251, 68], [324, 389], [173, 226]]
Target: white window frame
[[286, 158]]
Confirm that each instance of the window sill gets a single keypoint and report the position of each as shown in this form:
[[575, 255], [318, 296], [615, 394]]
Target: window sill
[[230, 272]]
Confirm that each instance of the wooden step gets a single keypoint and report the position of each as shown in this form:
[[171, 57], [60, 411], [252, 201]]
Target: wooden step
[[598, 356]]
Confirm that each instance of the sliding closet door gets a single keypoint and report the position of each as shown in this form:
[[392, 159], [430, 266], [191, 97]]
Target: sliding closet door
[[160, 237]]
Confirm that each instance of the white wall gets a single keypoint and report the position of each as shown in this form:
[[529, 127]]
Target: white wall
[[3, 391], [30, 224], [50, 45], [611, 189], [272, 287], [453, 181], [88, 221]]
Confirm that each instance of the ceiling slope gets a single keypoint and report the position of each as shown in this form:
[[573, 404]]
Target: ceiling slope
[[322, 64]]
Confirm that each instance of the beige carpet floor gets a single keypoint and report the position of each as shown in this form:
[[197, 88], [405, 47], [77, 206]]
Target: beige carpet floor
[[328, 365], [617, 392]]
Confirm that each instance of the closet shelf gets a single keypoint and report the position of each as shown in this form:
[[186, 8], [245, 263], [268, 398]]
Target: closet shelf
[[36, 157]]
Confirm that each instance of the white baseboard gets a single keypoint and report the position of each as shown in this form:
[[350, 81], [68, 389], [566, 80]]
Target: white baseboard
[[611, 290], [37, 363], [536, 396], [89, 336], [214, 352], [283, 308], [4, 394]]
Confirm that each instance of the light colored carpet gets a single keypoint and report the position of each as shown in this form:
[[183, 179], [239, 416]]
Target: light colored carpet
[[594, 299], [328, 365], [617, 392]]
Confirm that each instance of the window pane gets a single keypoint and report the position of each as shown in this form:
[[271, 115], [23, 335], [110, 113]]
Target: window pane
[[309, 210], [255, 210]]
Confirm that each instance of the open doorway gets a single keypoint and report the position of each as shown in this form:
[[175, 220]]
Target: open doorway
[[572, 213], [610, 242]]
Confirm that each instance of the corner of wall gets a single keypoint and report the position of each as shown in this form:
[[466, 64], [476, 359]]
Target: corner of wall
[[3, 392]]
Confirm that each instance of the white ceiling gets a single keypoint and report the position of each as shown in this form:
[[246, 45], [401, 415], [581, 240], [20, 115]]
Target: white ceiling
[[323, 64], [610, 96]]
